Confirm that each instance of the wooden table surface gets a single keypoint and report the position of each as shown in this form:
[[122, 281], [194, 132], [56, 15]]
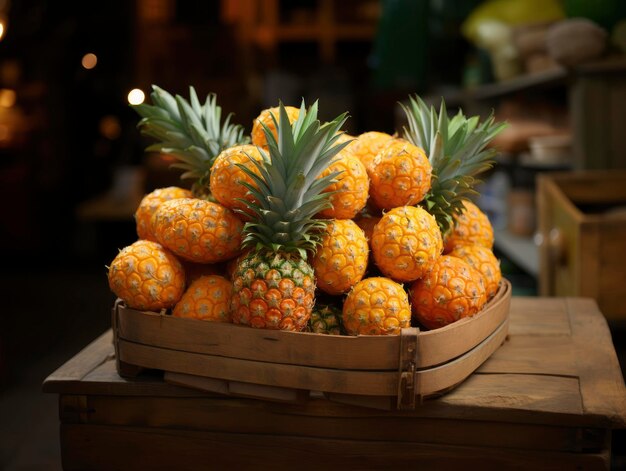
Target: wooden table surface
[[549, 396]]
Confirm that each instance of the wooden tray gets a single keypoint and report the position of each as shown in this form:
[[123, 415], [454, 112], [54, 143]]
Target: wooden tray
[[377, 371]]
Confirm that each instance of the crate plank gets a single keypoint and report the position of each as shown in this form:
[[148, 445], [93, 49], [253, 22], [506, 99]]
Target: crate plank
[[147, 448]]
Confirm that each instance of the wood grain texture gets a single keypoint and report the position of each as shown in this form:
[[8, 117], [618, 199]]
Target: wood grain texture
[[308, 349], [149, 448]]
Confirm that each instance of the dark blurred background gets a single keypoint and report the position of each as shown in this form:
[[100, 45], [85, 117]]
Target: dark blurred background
[[73, 168]]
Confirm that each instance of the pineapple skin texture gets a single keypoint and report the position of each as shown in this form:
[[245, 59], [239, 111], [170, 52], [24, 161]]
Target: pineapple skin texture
[[451, 291], [146, 276], [198, 230], [150, 203], [406, 243], [341, 259], [368, 145], [325, 320], [376, 306], [484, 261], [400, 175], [207, 298], [351, 189], [471, 227], [273, 291], [226, 177], [265, 117]]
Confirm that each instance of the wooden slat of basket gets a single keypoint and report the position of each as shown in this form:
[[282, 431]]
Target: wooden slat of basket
[[306, 349], [370, 383]]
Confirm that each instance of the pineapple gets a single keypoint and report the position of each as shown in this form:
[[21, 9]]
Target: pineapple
[[198, 230], [368, 145], [376, 306], [452, 290], [457, 150], [400, 175], [406, 243], [150, 203], [325, 319], [341, 259], [483, 260], [207, 298], [349, 193], [190, 132], [267, 121], [146, 276], [274, 286], [227, 178], [471, 226]]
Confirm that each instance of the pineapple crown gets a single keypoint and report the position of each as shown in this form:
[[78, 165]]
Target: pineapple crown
[[457, 151], [191, 132], [287, 189]]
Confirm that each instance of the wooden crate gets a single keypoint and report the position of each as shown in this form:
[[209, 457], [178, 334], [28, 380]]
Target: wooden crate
[[546, 399], [378, 371], [582, 223]]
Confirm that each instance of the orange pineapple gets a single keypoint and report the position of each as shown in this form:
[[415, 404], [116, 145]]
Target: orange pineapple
[[368, 145], [265, 119], [198, 230], [341, 258], [471, 227], [482, 259], [376, 306], [150, 203], [227, 177], [273, 285], [406, 243], [207, 298], [351, 189], [452, 290], [400, 175], [146, 276]]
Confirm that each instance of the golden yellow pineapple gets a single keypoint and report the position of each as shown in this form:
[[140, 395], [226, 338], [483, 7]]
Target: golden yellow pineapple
[[451, 291], [376, 306], [351, 189], [368, 145], [471, 227], [198, 230], [228, 178], [482, 259], [341, 258], [400, 175], [406, 243], [325, 319], [147, 276], [274, 285], [207, 299], [150, 203], [265, 118]]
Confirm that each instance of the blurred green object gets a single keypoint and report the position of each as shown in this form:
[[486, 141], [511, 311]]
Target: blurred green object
[[401, 45], [512, 12], [606, 13]]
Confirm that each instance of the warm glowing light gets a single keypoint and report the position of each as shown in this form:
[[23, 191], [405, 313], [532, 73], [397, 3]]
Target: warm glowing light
[[1, 30], [7, 97], [89, 61], [110, 127], [136, 97], [4, 133]]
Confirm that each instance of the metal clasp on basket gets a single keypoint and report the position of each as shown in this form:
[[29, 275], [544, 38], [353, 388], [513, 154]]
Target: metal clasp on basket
[[407, 366]]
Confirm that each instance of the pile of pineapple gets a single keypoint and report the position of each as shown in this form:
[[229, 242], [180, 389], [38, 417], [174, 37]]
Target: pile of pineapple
[[302, 227]]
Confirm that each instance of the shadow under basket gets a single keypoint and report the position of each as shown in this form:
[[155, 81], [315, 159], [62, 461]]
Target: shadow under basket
[[383, 372]]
